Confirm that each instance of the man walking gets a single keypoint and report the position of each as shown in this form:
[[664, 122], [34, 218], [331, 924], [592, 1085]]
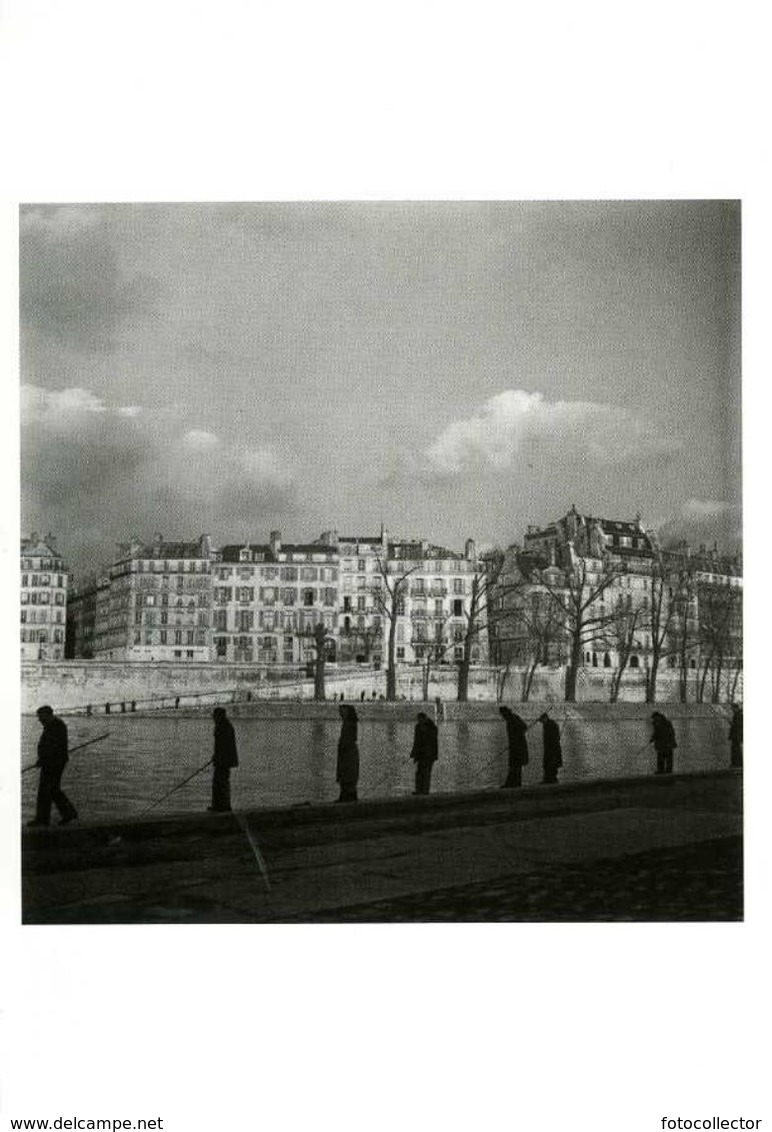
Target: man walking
[[664, 740], [517, 747], [225, 757], [736, 736], [553, 753], [52, 759], [424, 752]]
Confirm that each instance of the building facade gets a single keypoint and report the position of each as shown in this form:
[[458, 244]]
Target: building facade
[[267, 600], [628, 603], [43, 599], [153, 604]]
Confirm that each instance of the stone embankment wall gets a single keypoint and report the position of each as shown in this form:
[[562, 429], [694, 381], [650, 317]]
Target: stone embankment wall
[[70, 685], [74, 684]]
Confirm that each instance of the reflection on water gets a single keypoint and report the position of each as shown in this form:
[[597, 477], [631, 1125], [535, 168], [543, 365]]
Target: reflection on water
[[291, 761]]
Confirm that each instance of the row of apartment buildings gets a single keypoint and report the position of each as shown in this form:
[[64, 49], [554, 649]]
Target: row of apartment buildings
[[261, 602], [608, 589]]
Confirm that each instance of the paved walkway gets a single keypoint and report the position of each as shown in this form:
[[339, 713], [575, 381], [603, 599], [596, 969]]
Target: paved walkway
[[630, 849]]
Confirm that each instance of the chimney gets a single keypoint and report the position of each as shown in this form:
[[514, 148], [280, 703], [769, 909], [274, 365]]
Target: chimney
[[275, 541], [470, 550]]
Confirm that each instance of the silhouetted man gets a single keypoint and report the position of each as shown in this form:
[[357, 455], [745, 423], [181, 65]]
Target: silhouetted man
[[553, 754], [424, 752], [52, 759], [517, 747], [225, 757], [664, 740], [736, 735]]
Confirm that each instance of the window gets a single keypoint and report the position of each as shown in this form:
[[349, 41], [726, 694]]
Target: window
[[164, 617], [221, 619], [247, 593], [289, 573], [289, 596], [245, 619], [190, 637], [308, 597], [438, 608], [400, 654], [309, 574], [634, 662], [361, 565], [458, 607], [361, 602], [177, 637], [221, 647], [164, 636]]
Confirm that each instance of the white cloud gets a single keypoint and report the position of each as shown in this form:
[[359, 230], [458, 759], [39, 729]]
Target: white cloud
[[495, 435], [37, 402], [200, 438], [706, 508]]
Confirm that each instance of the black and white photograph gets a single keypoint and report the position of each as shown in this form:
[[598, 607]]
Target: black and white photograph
[[384, 450], [381, 562]]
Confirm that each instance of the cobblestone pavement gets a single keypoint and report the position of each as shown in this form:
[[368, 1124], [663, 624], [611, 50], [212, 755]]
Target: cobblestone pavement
[[694, 882], [634, 850]]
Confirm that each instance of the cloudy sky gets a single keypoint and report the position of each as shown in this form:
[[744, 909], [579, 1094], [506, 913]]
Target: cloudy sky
[[450, 370]]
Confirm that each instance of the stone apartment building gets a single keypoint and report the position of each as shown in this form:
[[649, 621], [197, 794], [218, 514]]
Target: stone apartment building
[[434, 592], [153, 603], [260, 602], [268, 598], [43, 599], [622, 617]]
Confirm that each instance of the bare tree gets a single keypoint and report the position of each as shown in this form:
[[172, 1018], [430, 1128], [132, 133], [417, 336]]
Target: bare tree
[[322, 640], [389, 599], [660, 612], [622, 637], [433, 650], [578, 597], [683, 640], [719, 605], [535, 634]]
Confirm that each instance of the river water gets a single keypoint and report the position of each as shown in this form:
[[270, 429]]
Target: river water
[[289, 761]]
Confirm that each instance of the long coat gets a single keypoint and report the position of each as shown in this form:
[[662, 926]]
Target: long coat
[[347, 769], [516, 740], [553, 752], [663, 736], [424, 742], [225, 754], [53, 745]]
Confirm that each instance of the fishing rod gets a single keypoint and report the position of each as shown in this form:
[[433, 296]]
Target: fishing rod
[[71, 751], [243, 822], [174, 789]]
